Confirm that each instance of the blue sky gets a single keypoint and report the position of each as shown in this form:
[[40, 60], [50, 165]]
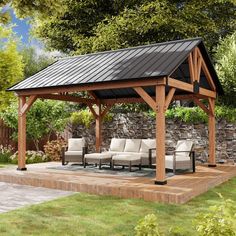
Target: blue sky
[[22, 28]]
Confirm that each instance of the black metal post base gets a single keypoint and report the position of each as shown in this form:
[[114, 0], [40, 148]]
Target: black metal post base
[[22, 169], [160, 182], [212, 165]]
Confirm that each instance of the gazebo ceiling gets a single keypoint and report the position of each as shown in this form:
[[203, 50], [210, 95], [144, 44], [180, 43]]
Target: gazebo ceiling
[[131, 64]]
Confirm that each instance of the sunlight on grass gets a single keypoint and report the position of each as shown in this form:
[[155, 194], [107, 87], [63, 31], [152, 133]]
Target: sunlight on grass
[[84, 214]]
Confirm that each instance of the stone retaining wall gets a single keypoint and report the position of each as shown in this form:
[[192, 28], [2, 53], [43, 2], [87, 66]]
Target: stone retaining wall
[[138, 125]]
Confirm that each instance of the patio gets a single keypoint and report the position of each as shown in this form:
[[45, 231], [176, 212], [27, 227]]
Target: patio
[[178, 190], [155, 74]]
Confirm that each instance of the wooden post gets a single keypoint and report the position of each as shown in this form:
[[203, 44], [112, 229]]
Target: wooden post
[[211, 127], [98, 128], [21, 134], [160, 135]]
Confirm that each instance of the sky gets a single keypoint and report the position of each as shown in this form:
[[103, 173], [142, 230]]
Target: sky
[[22, 28]]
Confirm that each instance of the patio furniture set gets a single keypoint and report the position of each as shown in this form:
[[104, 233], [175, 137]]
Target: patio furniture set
[[129, 152]]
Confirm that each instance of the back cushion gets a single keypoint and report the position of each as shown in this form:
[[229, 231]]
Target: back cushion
[[132, 145], [117, 145], [76, 144], [184, 145], [147, 144]]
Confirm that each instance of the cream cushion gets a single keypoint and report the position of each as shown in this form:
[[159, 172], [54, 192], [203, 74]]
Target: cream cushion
[[132, 145], [103, 155], [182, 162], [133, 157], [117, 145], [73, 153], [183, 145], [76, 144], [146, 144]]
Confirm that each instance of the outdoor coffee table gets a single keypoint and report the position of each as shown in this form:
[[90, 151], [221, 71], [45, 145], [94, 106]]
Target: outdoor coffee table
[[127, 160], [97, 158]]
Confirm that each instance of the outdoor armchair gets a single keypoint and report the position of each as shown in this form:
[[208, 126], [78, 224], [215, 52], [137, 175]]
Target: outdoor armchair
[[75, 151], [183, 157]]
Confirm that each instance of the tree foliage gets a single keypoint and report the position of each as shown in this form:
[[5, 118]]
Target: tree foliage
[[226, 68], [43, 118], [11, 66], [33, 62], [88, 26]]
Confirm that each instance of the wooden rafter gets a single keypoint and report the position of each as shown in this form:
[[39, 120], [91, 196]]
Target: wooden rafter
[[92, 94], [146, 97], [92, 111], [169, 97], [201, 105], [105, 110], [206, 71], [67, 98], [191, 68], [91, 87], [28, 104]]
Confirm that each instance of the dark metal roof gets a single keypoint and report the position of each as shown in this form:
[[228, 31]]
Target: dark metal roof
[[149, 61]]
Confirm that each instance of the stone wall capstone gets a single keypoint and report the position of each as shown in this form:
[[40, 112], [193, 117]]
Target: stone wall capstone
[[139, 125]]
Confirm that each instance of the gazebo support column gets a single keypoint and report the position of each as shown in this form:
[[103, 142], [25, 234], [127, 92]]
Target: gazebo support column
[[21, 134], [160, 135], [211, 125], [98, 128]]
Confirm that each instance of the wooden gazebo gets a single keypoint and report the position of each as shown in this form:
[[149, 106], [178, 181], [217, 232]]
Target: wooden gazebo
[[156, 74]]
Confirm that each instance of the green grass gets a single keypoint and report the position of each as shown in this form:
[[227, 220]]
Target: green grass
[[84, 214]]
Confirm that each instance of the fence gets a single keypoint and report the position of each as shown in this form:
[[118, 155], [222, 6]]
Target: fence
[[5, 135]]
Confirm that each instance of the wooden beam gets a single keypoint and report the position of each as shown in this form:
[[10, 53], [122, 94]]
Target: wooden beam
[[206, 71], [195, 60], [207, 93], [145, 96], [67, 98], [211, 127], [191, 67], [201, 105], [169, 97], [98, 128], [160, 135], [92, 94], [90, 87], [211, 103], [28, 104], [21, 134], [113, 101], [180, 85], [199, 67], [92, 111], [105, 110]]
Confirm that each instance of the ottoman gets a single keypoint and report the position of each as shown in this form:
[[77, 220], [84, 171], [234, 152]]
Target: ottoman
[[97, 158], [127, 160]]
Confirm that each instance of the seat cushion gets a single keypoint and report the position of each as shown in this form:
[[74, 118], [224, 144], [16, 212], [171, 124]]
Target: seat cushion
[[132, 145], [103, 155], [73, 153], [185, 146], [127, 157], [182, 162], [76, 144], [146, 144], [117, 145]]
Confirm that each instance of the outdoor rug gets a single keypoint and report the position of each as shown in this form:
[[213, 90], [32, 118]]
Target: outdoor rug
[[144, 172]]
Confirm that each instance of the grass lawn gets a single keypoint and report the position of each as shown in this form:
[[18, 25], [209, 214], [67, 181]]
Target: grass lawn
[[83, 214]]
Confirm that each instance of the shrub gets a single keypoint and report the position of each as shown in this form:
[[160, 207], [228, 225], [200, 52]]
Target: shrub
[[218, 221], [197, 115], [31, 157], [148, 226], [53, 149], [85, 117], [5, 153]]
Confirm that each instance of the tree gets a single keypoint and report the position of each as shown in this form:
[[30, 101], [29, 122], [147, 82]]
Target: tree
[[97, 25], [33, 62], [226, 67], [44, 118], [11, 66]]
